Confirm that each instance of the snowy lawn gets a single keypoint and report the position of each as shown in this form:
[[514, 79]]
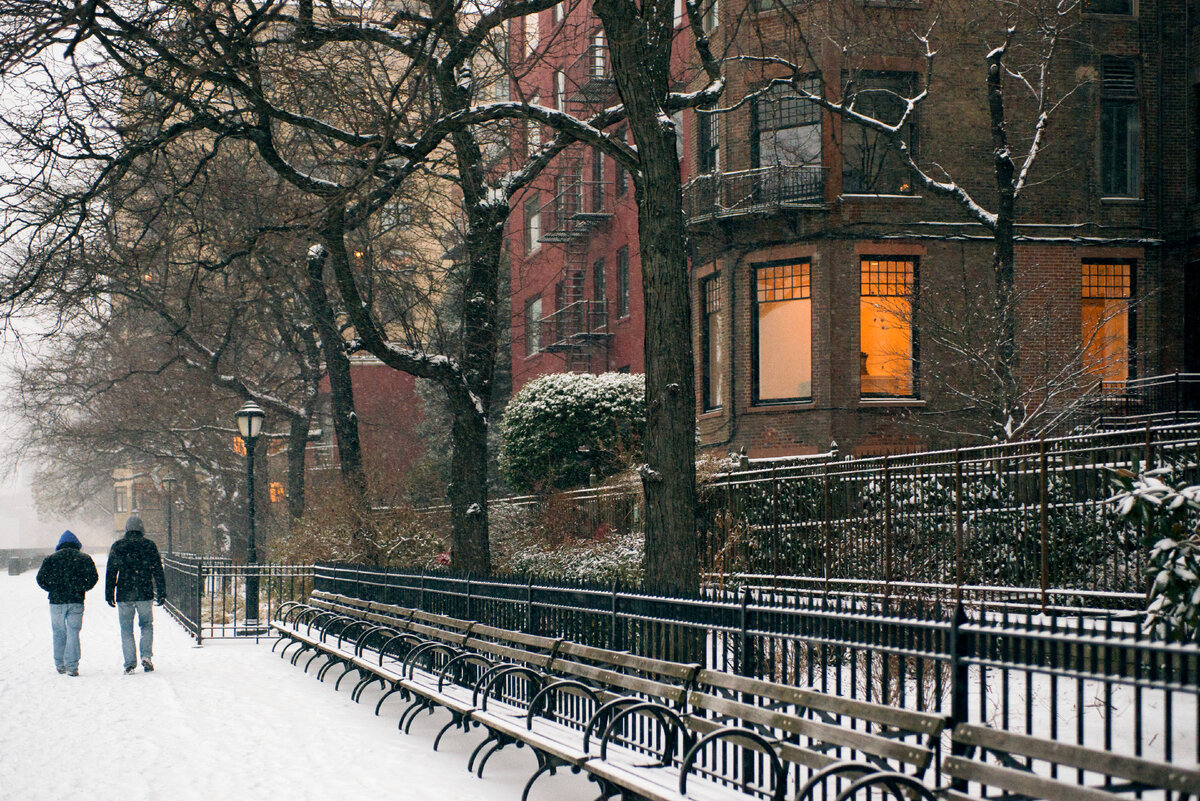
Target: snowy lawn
[[229, 720]]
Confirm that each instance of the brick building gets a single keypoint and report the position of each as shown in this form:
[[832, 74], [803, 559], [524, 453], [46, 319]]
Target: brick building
[[827, 280]]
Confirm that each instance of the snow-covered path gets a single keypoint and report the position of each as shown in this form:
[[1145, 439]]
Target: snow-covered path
[[228, 720]]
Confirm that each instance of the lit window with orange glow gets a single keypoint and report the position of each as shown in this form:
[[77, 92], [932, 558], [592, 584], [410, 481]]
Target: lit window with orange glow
[[886, 342], [782, 332], [239, 446], [1106, 315], [277, 493]]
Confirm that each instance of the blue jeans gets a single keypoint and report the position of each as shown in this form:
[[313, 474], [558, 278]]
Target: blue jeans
[[65, 621], [145, 615]]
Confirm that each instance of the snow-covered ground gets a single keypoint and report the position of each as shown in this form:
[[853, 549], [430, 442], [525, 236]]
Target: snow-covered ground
[[229, 720]]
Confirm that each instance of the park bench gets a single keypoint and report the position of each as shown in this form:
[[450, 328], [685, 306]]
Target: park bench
[[789, 740], [1006, 766]]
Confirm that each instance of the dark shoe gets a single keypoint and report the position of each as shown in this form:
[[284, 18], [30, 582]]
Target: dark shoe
[[147, 665], [73, 672], [130, 669], [61, 669]]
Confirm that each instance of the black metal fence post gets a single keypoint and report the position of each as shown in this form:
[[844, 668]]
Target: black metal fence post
[[613, 637], [1044, 521], [959, 681], [744, 658], [199, 596]]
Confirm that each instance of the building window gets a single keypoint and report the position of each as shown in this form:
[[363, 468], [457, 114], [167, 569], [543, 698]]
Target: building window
[[870, 165], [533, 130], [560, 89], [623, 282], [531, 34], [557, 13], [1120, 128], [708, 15], [599, 285], [712, 353], [1106, 314], [277, 492], [121, 499], [782, 332], [533, 325], [533, 224], [708, 143], [597, 193], [786, 130], [887, 354], [1124, 7], [620, 177]]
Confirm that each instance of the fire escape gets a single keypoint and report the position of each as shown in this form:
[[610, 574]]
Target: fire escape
[[578, 327]]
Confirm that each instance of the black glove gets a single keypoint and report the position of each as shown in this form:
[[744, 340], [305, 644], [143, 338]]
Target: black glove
[[113, 604]]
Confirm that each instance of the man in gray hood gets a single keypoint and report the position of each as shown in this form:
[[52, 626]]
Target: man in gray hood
[[133, 583]]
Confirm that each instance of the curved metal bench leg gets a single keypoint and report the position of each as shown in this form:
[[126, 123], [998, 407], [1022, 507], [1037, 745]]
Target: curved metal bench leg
[[607, 789], [426, 704], [501, 741], [310, 660], [395, 689], [546, 764], [283, 653], [282, 637], [364, 684], [458, 720], [338, 683], [333, 660], [303, 648], [413, 709], [491, 737]]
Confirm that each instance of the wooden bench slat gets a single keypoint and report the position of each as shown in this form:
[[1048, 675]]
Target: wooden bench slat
[[675, 670], [1019, 781], [829, 733], [1143, 771], [624, 681], [927, 723]]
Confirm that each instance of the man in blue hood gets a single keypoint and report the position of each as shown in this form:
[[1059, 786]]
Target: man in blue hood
[[66, 575]]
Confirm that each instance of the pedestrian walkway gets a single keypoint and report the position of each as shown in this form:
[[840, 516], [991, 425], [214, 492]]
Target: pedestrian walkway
[[228, 720]]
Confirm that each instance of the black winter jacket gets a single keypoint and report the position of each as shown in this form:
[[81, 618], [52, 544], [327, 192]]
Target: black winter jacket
[[67, 574], [135, 571]]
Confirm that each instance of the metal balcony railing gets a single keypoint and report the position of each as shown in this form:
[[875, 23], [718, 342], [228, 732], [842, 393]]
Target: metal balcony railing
[[757, 191], [577, 325], [578, 206], [590, 75]]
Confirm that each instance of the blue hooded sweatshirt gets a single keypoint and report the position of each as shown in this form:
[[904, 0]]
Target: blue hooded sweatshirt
[[67, 573]]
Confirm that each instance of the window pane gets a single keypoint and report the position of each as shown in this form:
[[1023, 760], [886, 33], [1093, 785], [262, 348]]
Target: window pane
[[1104, 312], [533, 326], [1119, 145], [885, 327], [1108, 6], [788, 129], [870, 165], [713, 365], [783, 307], [623, 282]]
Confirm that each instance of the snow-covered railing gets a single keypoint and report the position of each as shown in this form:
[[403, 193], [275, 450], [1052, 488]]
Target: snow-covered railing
[[763, 189]]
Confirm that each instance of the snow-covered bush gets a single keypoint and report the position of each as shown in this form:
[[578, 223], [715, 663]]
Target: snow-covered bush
[[616, 557], [561, 426], [1170, 517]]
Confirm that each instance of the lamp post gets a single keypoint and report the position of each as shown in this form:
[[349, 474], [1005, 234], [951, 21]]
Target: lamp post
[[169, 483], [250, 421]]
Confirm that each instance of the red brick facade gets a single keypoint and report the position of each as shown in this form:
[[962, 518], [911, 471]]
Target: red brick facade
[[1065, 217]]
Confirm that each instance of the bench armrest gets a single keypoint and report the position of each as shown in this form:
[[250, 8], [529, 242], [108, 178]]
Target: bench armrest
[[750, 739], [483, 687], [667, 718], [459, 660]]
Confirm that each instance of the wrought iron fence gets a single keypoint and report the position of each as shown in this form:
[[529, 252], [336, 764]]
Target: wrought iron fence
[[1028, 520], [1170, 398], [1090, 679], [207, 595]]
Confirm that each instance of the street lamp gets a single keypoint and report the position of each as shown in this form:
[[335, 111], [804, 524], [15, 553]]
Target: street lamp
[[169, 483], [250, 421]]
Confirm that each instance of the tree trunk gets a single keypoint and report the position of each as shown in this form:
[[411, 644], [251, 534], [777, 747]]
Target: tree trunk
[[297, 451], [1003, 256], [640, 46], [341, 389]]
